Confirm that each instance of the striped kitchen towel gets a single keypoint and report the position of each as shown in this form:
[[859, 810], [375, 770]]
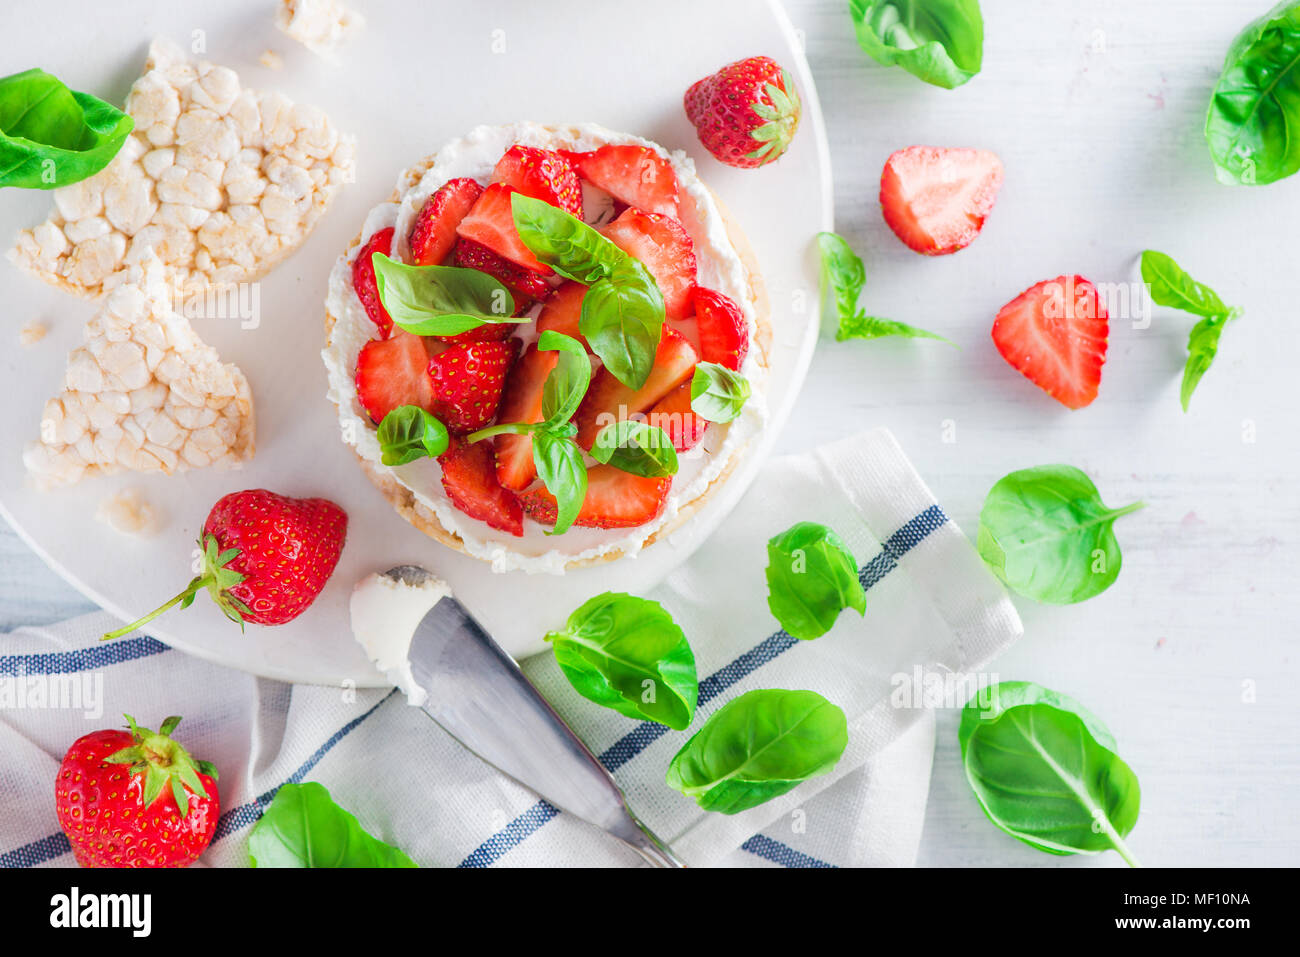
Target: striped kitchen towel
[[932, 609]]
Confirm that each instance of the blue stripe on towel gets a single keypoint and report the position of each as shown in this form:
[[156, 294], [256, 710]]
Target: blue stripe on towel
[[763, 846], [37, 852], [913, 532], [82, 659]]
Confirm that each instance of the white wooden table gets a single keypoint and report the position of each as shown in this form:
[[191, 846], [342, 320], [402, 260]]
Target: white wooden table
[[1096, 109]]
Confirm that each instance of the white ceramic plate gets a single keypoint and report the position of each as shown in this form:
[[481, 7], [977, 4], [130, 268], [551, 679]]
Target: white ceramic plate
[[414, 78]]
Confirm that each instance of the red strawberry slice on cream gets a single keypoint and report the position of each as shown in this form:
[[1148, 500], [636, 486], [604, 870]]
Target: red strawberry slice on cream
[[633, 175], [608, 400], [491, 223], [522, 402], [541, 174], [434, 231], [364, 283], [469, 478], [615, 499], [467, 383], [664, 248], [392, 372]]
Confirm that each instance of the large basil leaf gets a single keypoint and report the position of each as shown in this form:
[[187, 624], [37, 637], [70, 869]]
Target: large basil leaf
[[757, 747], [1171, 286], [622, 319], [564, 242], [940, 41], [1046, 533], [51, 136], [631, 445], [562, 470], [441, 300], [409, 433], [1253, 124], [718, 393], [811, 577], [627, 653], [567, 383], [623, 311], [1046, 772], [303, 827], [842, 278]]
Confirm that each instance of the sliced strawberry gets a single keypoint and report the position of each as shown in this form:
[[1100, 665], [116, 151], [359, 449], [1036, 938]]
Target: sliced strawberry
[[936, 199], [434, 232], [663, 246], [541, 174], [467, 383], [615, 499], [608, 400], [563, 310], [724, 337], [522, 402], [491, 223], [472, 255], [635, 175], [393, 372], [363, 279], [1055, 334], [488, 332], [470, 480], [674, 415]]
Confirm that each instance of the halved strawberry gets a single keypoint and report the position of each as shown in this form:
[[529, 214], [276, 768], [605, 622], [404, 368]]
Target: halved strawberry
[[522, 402], [434, 231], [393, 372], [635, 175], [615, 499], [491, 223], [467, 383], [472, 255], [541, 174], [363, 279], [674, 415], [936, 199], [470, 480], [1055, 334], [664, 248], [724, 337], [608, 400], [563, 310]]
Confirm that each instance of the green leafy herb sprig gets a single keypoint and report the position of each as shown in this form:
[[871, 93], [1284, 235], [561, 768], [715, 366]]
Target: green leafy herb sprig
[[843, 277]]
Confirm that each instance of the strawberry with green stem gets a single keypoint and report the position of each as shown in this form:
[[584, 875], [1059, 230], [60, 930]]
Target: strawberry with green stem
[[746, 113], [264, 557]]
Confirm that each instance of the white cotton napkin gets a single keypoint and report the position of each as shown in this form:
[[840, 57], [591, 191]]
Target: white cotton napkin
[[932, 607]]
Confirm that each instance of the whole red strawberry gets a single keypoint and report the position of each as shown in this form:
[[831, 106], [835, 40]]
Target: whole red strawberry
[[135, 799], [264, 557], [746, 113]]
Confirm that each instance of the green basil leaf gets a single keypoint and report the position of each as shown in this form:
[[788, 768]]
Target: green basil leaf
[[811, 577], [441, 300], [940, 41], [622, 320], [564, 473], [51, 136], [862, 326], [627, 653], [303, 827], [409, 433], [633, 446], [564, 242], [1170, 285], [842, 279], [757, 747], [718, 393], [1046, 772], [1202, 347], [1253, 123], [842, 273], [1045, 532], [567, 383]]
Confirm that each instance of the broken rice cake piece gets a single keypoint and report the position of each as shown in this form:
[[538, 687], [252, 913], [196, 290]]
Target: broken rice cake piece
[[221, 182], [319, 25], [143, 393]]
